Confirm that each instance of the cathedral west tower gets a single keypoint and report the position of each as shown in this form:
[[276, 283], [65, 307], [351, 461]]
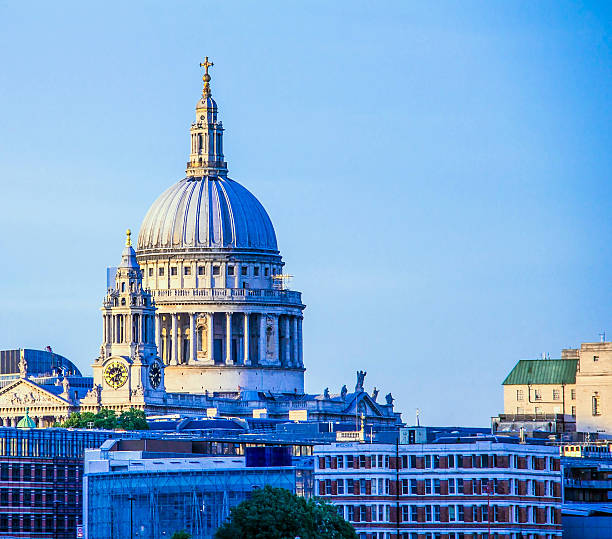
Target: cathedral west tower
[[208, 253]]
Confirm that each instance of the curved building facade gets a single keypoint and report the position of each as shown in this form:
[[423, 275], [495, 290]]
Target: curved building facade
[[208, 253]]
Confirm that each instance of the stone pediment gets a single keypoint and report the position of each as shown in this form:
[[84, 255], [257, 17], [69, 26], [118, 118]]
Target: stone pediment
[[361, 402], [25, 393]]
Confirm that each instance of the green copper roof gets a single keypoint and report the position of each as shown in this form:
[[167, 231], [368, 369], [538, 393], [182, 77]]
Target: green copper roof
[[542, 371], [26, 422]]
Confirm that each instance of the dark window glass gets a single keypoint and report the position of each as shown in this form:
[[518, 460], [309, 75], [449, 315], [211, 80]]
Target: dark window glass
[[161, 272], [201, 270], [150, 272], [27, 472], [173, 270], [4, 472], [256, 271], [216, 270], [245, 270], [187, 270], [38, 472], [230, 270]]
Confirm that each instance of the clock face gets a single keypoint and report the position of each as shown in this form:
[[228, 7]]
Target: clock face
[[155, 375], [116, 374]]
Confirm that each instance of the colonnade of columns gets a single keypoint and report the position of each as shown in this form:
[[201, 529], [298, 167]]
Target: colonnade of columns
[[127, 328], [45, 420], [230, 338]]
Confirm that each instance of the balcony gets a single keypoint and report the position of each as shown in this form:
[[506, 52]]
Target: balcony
[[605, 484], [227, 295]]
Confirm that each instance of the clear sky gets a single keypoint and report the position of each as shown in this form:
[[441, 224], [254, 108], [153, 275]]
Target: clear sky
[[438, 174]]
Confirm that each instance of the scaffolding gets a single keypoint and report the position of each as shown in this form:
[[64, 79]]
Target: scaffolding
[[157, 504]]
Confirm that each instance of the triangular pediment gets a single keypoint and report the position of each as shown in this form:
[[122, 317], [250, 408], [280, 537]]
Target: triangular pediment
[[23, 392], [362, 402]]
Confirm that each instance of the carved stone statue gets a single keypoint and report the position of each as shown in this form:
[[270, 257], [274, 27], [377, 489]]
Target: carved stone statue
[[343, 392], [23, 365], [360, 377], [389, 399], [326, 393], [66, 385], [102, 352], [270, 336], [374, 394]]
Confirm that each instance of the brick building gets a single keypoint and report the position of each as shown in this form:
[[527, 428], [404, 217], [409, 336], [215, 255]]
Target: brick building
[[462, 488]]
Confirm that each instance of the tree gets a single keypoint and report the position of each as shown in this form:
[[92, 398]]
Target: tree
[[133, 419], [181, 535], [106, 418], [276, 513]]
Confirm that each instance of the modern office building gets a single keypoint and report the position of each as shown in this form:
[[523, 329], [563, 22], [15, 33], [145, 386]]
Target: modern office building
[[454, 488], [155, 487], [41, 480]]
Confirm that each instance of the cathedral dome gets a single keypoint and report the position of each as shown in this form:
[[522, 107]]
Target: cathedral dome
[[206, 213]]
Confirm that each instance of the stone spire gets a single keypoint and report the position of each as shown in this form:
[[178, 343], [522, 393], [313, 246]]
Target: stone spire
[[206, 156]]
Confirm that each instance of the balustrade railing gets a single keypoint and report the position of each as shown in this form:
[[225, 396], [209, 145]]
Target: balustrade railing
[[228, 294]]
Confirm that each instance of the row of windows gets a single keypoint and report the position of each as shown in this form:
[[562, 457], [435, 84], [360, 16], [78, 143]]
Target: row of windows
[[27, 523], [19, 472], [537, 394], [435, 461], [29, 498], [452, 513], [410, 486], [216, 270]]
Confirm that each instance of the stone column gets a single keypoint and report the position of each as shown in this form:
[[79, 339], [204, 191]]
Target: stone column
[[262, 339], [294, 341], [158, 333], [228, 338], [174, 341], [287, 341], [300, 342], [247, 359], [193, 339], [210, 336]]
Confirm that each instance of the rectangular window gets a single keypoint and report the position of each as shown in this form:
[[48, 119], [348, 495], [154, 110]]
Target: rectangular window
[[161, 272], [187, 270], [556, 394], [244, 270], [150, 272], [256, 271], [413, 461], [414, 513], [216, 270], [519, 395], [328, 487], [596, 406], [362, 513], [427, 461], [201, 270], [436, 513], [230, 270], [459, 485], [537, 394], [350, 486], [573, 394], [405, 513], [349, 461], [413, 487], [427, 486], [436, 486], [340, 484], [451, 486], [350, 513], [595, 358], [428, 513], [436, 461], [266, 272], [451, 461], [460, 513], [451, 513], [405, 486], [573, 411], [485, 513], [173, 271]]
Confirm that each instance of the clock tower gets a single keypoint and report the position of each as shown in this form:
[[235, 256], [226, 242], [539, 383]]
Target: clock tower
[[128, 372]]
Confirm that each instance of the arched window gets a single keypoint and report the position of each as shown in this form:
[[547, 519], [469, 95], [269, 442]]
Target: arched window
[[122, 287], [122, 301]]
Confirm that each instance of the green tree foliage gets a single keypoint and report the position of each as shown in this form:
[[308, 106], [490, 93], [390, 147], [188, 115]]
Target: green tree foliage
[[181, 535], [276, 513], [131, 419]]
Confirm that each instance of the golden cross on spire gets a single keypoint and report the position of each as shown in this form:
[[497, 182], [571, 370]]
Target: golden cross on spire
[[206, 78], [128, 238]]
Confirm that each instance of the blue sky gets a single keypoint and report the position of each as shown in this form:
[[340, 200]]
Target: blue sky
[[437, 174]]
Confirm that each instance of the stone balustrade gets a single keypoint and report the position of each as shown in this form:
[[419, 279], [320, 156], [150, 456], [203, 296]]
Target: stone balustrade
[[220, 295]]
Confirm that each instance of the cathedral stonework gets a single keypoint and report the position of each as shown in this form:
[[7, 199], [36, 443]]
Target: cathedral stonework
[[197, 319], [209, 256]]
